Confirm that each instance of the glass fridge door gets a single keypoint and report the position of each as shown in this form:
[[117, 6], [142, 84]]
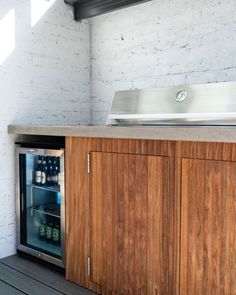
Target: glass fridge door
[[41, 193]]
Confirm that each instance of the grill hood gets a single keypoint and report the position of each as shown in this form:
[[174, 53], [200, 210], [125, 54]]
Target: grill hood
[[204, 104]]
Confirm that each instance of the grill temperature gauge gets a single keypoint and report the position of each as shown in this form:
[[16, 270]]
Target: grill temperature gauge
[[181, 95]]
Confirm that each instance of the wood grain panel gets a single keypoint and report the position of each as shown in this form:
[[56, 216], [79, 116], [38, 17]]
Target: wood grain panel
[[96, 208], [130, 226], [79, 213], [120, 225], [208, 227], [79, 208], [129, 229], [208, 150], [158, 227], [141, 225]]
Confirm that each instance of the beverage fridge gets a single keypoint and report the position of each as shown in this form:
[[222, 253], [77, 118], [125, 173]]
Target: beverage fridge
[[40, 203]]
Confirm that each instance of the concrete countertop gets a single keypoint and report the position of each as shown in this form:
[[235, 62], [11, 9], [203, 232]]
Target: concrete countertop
[[215, 134]]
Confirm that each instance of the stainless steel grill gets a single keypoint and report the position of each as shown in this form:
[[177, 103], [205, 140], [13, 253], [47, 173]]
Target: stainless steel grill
[[204, 104]]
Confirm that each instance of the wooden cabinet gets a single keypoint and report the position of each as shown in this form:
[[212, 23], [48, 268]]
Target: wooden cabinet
[[77, 211], [151, 217], [208, 243], [120, 221], [130, 224], [208, 220]]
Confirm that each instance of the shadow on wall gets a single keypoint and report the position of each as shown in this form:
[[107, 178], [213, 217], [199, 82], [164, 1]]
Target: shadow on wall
[[7, 35], [7, 26], [44, 64], [18, 28]]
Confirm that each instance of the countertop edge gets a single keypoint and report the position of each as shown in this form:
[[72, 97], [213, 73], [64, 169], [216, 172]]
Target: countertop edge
[[207, 134]]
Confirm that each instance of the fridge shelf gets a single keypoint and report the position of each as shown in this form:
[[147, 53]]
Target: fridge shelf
[[48, 210], [55, 189]]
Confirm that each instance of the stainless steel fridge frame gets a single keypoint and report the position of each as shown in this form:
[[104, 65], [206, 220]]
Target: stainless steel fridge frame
[[42, 152]]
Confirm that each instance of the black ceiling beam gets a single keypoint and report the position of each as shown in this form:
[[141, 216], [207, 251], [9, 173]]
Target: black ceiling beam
[[89, 8]]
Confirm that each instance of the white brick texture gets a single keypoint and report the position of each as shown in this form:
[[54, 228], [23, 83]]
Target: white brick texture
[[45, 80], [161, 43]]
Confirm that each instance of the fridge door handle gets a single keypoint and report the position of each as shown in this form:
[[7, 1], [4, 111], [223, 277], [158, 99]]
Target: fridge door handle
[[31, 197]]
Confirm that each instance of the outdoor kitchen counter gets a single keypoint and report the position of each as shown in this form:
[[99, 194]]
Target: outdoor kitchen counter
[[215, 134]]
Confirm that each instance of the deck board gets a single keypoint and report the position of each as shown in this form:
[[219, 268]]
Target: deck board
[[31, 277], [8, 290]]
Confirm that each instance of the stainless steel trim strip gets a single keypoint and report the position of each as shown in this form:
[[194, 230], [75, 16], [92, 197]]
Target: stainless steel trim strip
[[63, 208], [18, 197], [41, 255], [208, 116]]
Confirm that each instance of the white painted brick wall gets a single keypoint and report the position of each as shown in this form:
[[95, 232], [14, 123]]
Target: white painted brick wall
[[161, 43], [45, 80]]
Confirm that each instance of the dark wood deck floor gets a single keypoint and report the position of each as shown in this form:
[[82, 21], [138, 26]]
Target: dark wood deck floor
[[20, 275]]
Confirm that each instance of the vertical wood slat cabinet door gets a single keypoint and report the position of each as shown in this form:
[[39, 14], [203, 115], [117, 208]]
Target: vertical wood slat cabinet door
[[130, 224], [77, 211], [208, 228]]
